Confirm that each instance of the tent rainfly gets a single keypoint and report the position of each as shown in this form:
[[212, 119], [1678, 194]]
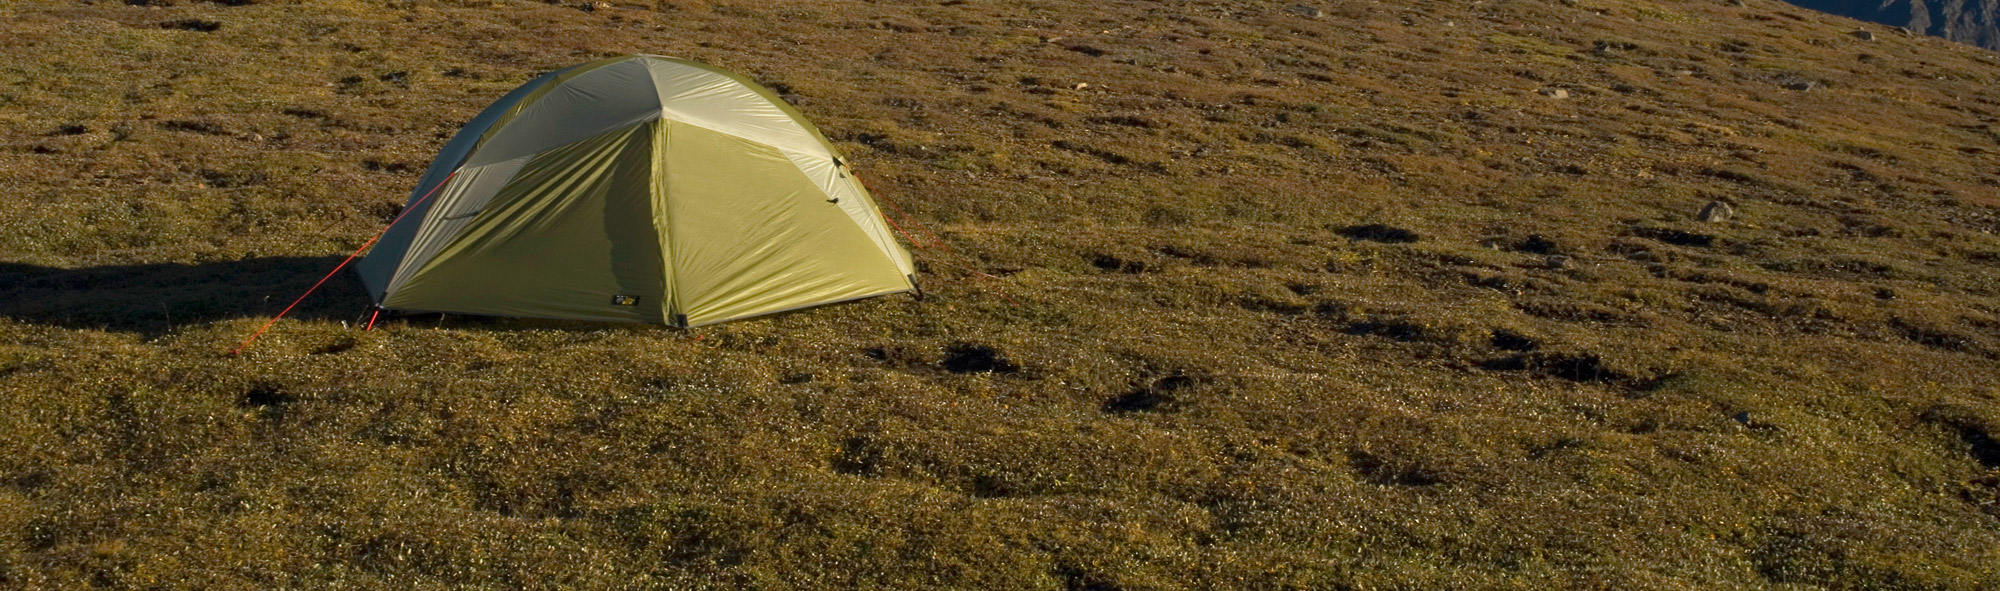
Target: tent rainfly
[[642, 189]]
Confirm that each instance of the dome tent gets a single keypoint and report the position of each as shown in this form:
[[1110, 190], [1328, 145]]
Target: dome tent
[[636, 188]]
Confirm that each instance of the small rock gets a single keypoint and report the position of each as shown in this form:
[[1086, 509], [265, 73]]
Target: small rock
[[1864, 35], [1905, 31], [1735, 2], [1683, 73], [1802, 85], [1555, 93], [1081, 85], [1306, 11], [1556, 261], [1753, 422], [1716, 211]]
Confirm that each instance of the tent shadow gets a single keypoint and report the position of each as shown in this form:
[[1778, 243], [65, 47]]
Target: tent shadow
[[154, 299]]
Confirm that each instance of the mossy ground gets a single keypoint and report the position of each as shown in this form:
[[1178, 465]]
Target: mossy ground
[[1236, 296]]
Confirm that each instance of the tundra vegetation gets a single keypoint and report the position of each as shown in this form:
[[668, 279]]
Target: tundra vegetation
[[1220, 295]]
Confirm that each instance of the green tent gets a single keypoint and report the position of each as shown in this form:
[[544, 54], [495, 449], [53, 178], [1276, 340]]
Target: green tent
[[636, 188]]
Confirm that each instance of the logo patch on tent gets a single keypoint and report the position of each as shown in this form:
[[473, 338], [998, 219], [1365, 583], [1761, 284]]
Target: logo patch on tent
[[624, 300]]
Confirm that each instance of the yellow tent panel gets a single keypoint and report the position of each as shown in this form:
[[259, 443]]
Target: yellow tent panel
[[638, 188]]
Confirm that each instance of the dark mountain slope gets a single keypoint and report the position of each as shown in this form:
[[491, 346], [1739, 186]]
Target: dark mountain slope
[[1222, 295], [1966, 21]]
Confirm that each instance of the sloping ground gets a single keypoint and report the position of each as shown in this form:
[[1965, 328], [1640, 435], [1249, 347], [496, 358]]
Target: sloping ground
[[1225, 295], [1965, 21]]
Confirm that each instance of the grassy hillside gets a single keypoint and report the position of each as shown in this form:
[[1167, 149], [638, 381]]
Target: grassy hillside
[[1223, 295]]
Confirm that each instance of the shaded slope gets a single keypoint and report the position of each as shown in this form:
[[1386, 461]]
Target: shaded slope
[[1966, 21]]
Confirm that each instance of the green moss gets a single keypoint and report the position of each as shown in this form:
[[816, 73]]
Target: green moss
[[1532, 48]]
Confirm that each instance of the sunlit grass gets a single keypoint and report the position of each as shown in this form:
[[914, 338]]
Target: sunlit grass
[[1235, 297]]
